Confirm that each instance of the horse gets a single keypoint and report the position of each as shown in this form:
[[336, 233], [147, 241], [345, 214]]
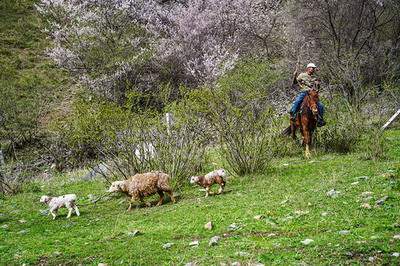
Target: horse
[[306, 120]]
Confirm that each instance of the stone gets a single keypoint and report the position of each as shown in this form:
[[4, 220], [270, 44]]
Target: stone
[[102, 264], [344, 232], [324, 214], [23, 232], [355, 183], [91, 197], [194, 243], [22, 221], [366, 206], [396, 254], [381, 201], [257, 264], [301, 213], [134, 233], [397, 237], [242, 254], [307, 241], [214, 241], [259, 217], [285, 164], [371, 259], [233, 227], [208, 226], [271, 235], [284, 201], [236, 263], [44, 212], [167, 245], [333, 193], [367, 194]]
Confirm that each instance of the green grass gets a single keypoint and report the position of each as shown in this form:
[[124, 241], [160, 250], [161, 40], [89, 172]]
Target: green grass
[[33, 90], [100, 234]]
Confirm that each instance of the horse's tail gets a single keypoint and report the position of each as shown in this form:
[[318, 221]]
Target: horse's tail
[[287, 131]]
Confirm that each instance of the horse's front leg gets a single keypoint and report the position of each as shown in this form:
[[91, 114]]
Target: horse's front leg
[[307, 142]]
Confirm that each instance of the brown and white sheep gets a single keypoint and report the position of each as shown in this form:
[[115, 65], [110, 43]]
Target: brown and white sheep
[[214, 177], [142, 185], [55, 203]]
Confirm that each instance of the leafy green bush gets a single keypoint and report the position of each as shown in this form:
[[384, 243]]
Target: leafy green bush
[[373, 144], [239, 115], [343, 130], [149, 144]]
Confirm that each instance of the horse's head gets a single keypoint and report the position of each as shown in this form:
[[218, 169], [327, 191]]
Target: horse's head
[[313, 100]]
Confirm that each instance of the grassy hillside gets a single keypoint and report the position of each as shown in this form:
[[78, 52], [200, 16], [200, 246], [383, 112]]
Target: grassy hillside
[[291, 196], [31, 87]]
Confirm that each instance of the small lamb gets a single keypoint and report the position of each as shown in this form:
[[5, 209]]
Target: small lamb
[[142, 185], [216, 176], [55, 203]]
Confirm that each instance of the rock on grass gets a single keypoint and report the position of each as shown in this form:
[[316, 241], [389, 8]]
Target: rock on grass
[[307, 241], [208, 226], [214, 241], [194, 243], [344, 232], [167, 245], [333, 193]]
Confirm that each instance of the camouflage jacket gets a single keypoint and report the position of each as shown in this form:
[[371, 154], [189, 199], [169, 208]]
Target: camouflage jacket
[[306, 81]]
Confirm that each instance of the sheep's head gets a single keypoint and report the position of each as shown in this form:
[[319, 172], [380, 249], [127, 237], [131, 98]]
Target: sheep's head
[[220, 172], [194, 179], [116, 186], [44, 199]]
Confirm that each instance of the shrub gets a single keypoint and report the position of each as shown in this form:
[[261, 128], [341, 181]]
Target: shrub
[[12, 178], [239, 113], [373, 144], [148, 144], [343, 130]]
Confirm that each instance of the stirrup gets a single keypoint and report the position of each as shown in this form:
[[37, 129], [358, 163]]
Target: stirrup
[[320, 122]]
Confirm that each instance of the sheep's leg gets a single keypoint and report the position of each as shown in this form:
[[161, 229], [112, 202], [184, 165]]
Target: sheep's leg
[[68, 205], [130, 204], [171, 195], [76, 210], [161, 198], [207, 191], [221, 189], [52, 213], [69, 213]]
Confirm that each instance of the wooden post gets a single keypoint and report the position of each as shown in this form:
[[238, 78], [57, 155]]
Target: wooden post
[[169, 121], [391, 120]]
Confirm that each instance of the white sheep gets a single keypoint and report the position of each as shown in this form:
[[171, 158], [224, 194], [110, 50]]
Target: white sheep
[[55, 203]]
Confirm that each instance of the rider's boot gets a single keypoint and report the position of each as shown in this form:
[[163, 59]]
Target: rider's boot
[[321, 122], [292, 116]]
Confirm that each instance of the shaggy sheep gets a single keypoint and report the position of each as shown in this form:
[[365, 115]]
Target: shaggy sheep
[[55, 203], [142, 185], [216, 176]]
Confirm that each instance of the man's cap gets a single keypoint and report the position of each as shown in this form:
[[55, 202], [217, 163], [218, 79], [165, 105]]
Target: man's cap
[[311, 65]]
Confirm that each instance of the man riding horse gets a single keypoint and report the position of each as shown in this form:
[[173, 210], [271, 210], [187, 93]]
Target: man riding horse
[[307, 81]]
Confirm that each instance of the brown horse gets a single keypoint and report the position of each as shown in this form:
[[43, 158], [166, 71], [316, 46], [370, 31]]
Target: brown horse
[[306, 120]]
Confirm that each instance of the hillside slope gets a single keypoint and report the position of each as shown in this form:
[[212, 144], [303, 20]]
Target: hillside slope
[[31, 86], [291, 196]]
